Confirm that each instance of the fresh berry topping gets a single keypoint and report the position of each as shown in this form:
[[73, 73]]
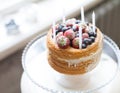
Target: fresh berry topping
[[57, 31], [92, 38], [90, 41], [63, 42], [75, 42], [84, 46], [69, 34], [77, 21], [75, 27], [77, 34], [59, 34], [85, 35], [69, 24], [87, 41], [65, 28], [87, 30], [83, 30], [60, 27], [91, 33]]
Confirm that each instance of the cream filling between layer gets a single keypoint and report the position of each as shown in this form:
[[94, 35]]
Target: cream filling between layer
[[75, 61]]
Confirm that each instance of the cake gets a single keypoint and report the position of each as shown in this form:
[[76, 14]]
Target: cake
[[64, 53]]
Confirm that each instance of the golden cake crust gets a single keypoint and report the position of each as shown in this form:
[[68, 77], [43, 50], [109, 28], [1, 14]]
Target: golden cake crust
[[55, 54]]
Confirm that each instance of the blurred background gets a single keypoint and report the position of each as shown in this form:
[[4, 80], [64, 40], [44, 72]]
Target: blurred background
[[23, 20]]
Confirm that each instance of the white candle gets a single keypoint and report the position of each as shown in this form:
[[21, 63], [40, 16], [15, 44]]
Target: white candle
[[93, 21], [54, 32], [63, 17], [82, 15], [80, 37]]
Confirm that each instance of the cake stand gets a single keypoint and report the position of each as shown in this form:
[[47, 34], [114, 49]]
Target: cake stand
[[39, 77]]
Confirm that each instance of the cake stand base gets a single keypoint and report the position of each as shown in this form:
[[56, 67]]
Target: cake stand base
[[46, 76], [27, 86]]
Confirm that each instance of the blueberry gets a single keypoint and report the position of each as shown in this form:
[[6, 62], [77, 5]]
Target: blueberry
[[57, 31], [75, 28], [92, 38], [87, 23], [90, 41], [65, 28], [69, 27], [91, 33], [60, 27], [77, 35], [87, 41], [77, 21], [84, 46]]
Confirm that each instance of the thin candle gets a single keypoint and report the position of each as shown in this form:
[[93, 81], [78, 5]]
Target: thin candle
[[80, 38], [82, 15], [54, 33], [64, 16], [93, 21]]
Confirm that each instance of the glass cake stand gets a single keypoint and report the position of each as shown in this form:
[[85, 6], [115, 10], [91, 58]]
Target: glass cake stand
[[38, 71]]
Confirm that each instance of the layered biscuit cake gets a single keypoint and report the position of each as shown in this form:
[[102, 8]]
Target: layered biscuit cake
[[64, 53]]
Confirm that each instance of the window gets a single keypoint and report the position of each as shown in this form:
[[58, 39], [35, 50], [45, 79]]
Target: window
[[23, 13], [6, 6]]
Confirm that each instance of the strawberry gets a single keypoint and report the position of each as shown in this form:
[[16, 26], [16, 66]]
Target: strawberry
[[87, 30], [63, 42], [83, 30], [75, 42], [70, 22], [75, 27], [69, 34], [85, 35], [59, 34]]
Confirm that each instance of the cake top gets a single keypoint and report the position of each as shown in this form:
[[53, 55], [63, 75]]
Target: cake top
[[67, 34]]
